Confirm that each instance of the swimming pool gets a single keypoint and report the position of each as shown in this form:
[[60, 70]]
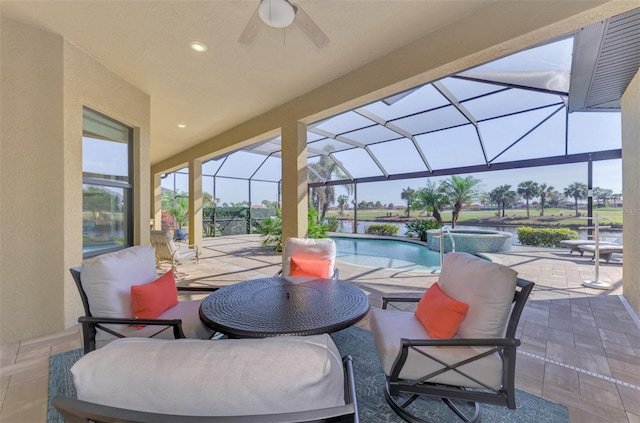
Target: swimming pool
[[395, 254]]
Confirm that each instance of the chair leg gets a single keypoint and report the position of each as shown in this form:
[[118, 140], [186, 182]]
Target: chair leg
[[474, 419], [401, 408]]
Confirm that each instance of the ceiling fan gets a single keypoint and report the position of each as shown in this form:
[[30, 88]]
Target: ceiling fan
[[280, 14]]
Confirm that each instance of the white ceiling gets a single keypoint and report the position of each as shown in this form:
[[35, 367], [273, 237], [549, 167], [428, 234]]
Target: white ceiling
[[147, 44]]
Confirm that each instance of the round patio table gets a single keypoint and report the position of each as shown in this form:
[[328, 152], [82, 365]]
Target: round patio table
[[287, 305]]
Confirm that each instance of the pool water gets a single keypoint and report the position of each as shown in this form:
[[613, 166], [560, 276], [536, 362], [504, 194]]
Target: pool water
[[386, 254]]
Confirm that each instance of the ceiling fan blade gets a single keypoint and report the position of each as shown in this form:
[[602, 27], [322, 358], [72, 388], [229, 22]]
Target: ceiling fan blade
[[251, 29], [309, 27]]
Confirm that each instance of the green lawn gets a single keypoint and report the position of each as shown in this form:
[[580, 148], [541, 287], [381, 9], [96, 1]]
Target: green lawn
[[552, 216]]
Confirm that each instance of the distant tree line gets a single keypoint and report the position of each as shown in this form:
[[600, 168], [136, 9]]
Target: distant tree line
[[458, 192]]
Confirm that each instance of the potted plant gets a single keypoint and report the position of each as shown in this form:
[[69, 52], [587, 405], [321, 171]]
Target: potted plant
[[180, 213]]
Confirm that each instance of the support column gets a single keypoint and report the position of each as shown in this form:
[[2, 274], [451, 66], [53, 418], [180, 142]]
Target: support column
[[294, 181], [355, 207], [195, 202], [590, 197], [156, 201], [631, 192]]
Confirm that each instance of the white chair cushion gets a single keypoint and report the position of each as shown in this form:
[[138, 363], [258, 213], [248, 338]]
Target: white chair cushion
[[185, 254], [192, 326], [228, 377], [107, 280], [389, 327], [321, 249], [488, 288]]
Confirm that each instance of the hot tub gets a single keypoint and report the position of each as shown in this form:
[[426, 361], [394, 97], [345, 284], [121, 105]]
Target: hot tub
[[470, 241]]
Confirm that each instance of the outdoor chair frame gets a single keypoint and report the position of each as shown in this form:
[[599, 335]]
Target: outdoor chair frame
[[506, 347], [91, 324], [76, 411], [168, 250]]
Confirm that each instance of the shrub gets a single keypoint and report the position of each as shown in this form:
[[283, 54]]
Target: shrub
[[544, 237], [383, 229], [419, 227], [271, 229], [333, 224], [316, 229]]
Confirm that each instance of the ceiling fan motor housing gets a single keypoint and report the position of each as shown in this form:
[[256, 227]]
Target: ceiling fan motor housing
[[276, 13]]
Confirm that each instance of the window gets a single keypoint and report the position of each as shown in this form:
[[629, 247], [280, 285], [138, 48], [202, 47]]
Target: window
[[107, 216]]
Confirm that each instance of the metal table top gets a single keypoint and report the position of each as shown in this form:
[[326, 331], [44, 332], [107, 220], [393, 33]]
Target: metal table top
[[283, 306]]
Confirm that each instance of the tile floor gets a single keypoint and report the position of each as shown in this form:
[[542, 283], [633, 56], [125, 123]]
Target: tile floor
[[580, 346]]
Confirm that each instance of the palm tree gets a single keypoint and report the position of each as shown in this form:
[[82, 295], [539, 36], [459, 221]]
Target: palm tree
[[342, 200], [500, 195], [432, 199], [554, 198], [577, 191], [616, 197], [545, 191], [408, 194], [602, 194], [324, 170], [459, 191], [512, 198], [484, 199], [528, 190]]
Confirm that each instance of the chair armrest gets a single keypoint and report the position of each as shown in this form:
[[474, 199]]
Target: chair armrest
[[99, 322], [198, 288], [386, 299], [129, 321], [350, 386], [467, 342], [74, 410]]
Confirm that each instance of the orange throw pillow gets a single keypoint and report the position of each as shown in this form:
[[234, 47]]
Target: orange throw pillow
[[151, 300], [309, 267], [440, 314]]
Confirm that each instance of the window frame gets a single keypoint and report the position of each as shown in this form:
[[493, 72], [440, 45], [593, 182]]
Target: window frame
[[126, 186]]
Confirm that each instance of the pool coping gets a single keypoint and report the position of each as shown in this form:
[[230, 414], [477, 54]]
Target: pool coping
[[390, 238]]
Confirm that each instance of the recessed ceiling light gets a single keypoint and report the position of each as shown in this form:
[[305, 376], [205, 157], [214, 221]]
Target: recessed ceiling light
[[198, 46], [182, 125]]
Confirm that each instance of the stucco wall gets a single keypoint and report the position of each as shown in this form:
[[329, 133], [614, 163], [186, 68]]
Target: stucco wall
[[630, 190], [31, 182], [45, 83]]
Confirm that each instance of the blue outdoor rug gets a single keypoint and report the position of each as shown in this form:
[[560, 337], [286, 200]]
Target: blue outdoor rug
[[369, 389]]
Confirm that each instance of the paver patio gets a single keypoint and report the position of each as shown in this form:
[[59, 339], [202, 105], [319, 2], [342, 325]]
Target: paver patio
[[580, 346]]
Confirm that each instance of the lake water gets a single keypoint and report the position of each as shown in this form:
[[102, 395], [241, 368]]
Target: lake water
[[347, 226]]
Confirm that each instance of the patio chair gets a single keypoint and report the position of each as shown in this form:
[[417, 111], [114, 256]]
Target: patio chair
[[460, 342], [105, 285], [605, 250], [167, 250], [310, 257], [575, 244], [277, 379]]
